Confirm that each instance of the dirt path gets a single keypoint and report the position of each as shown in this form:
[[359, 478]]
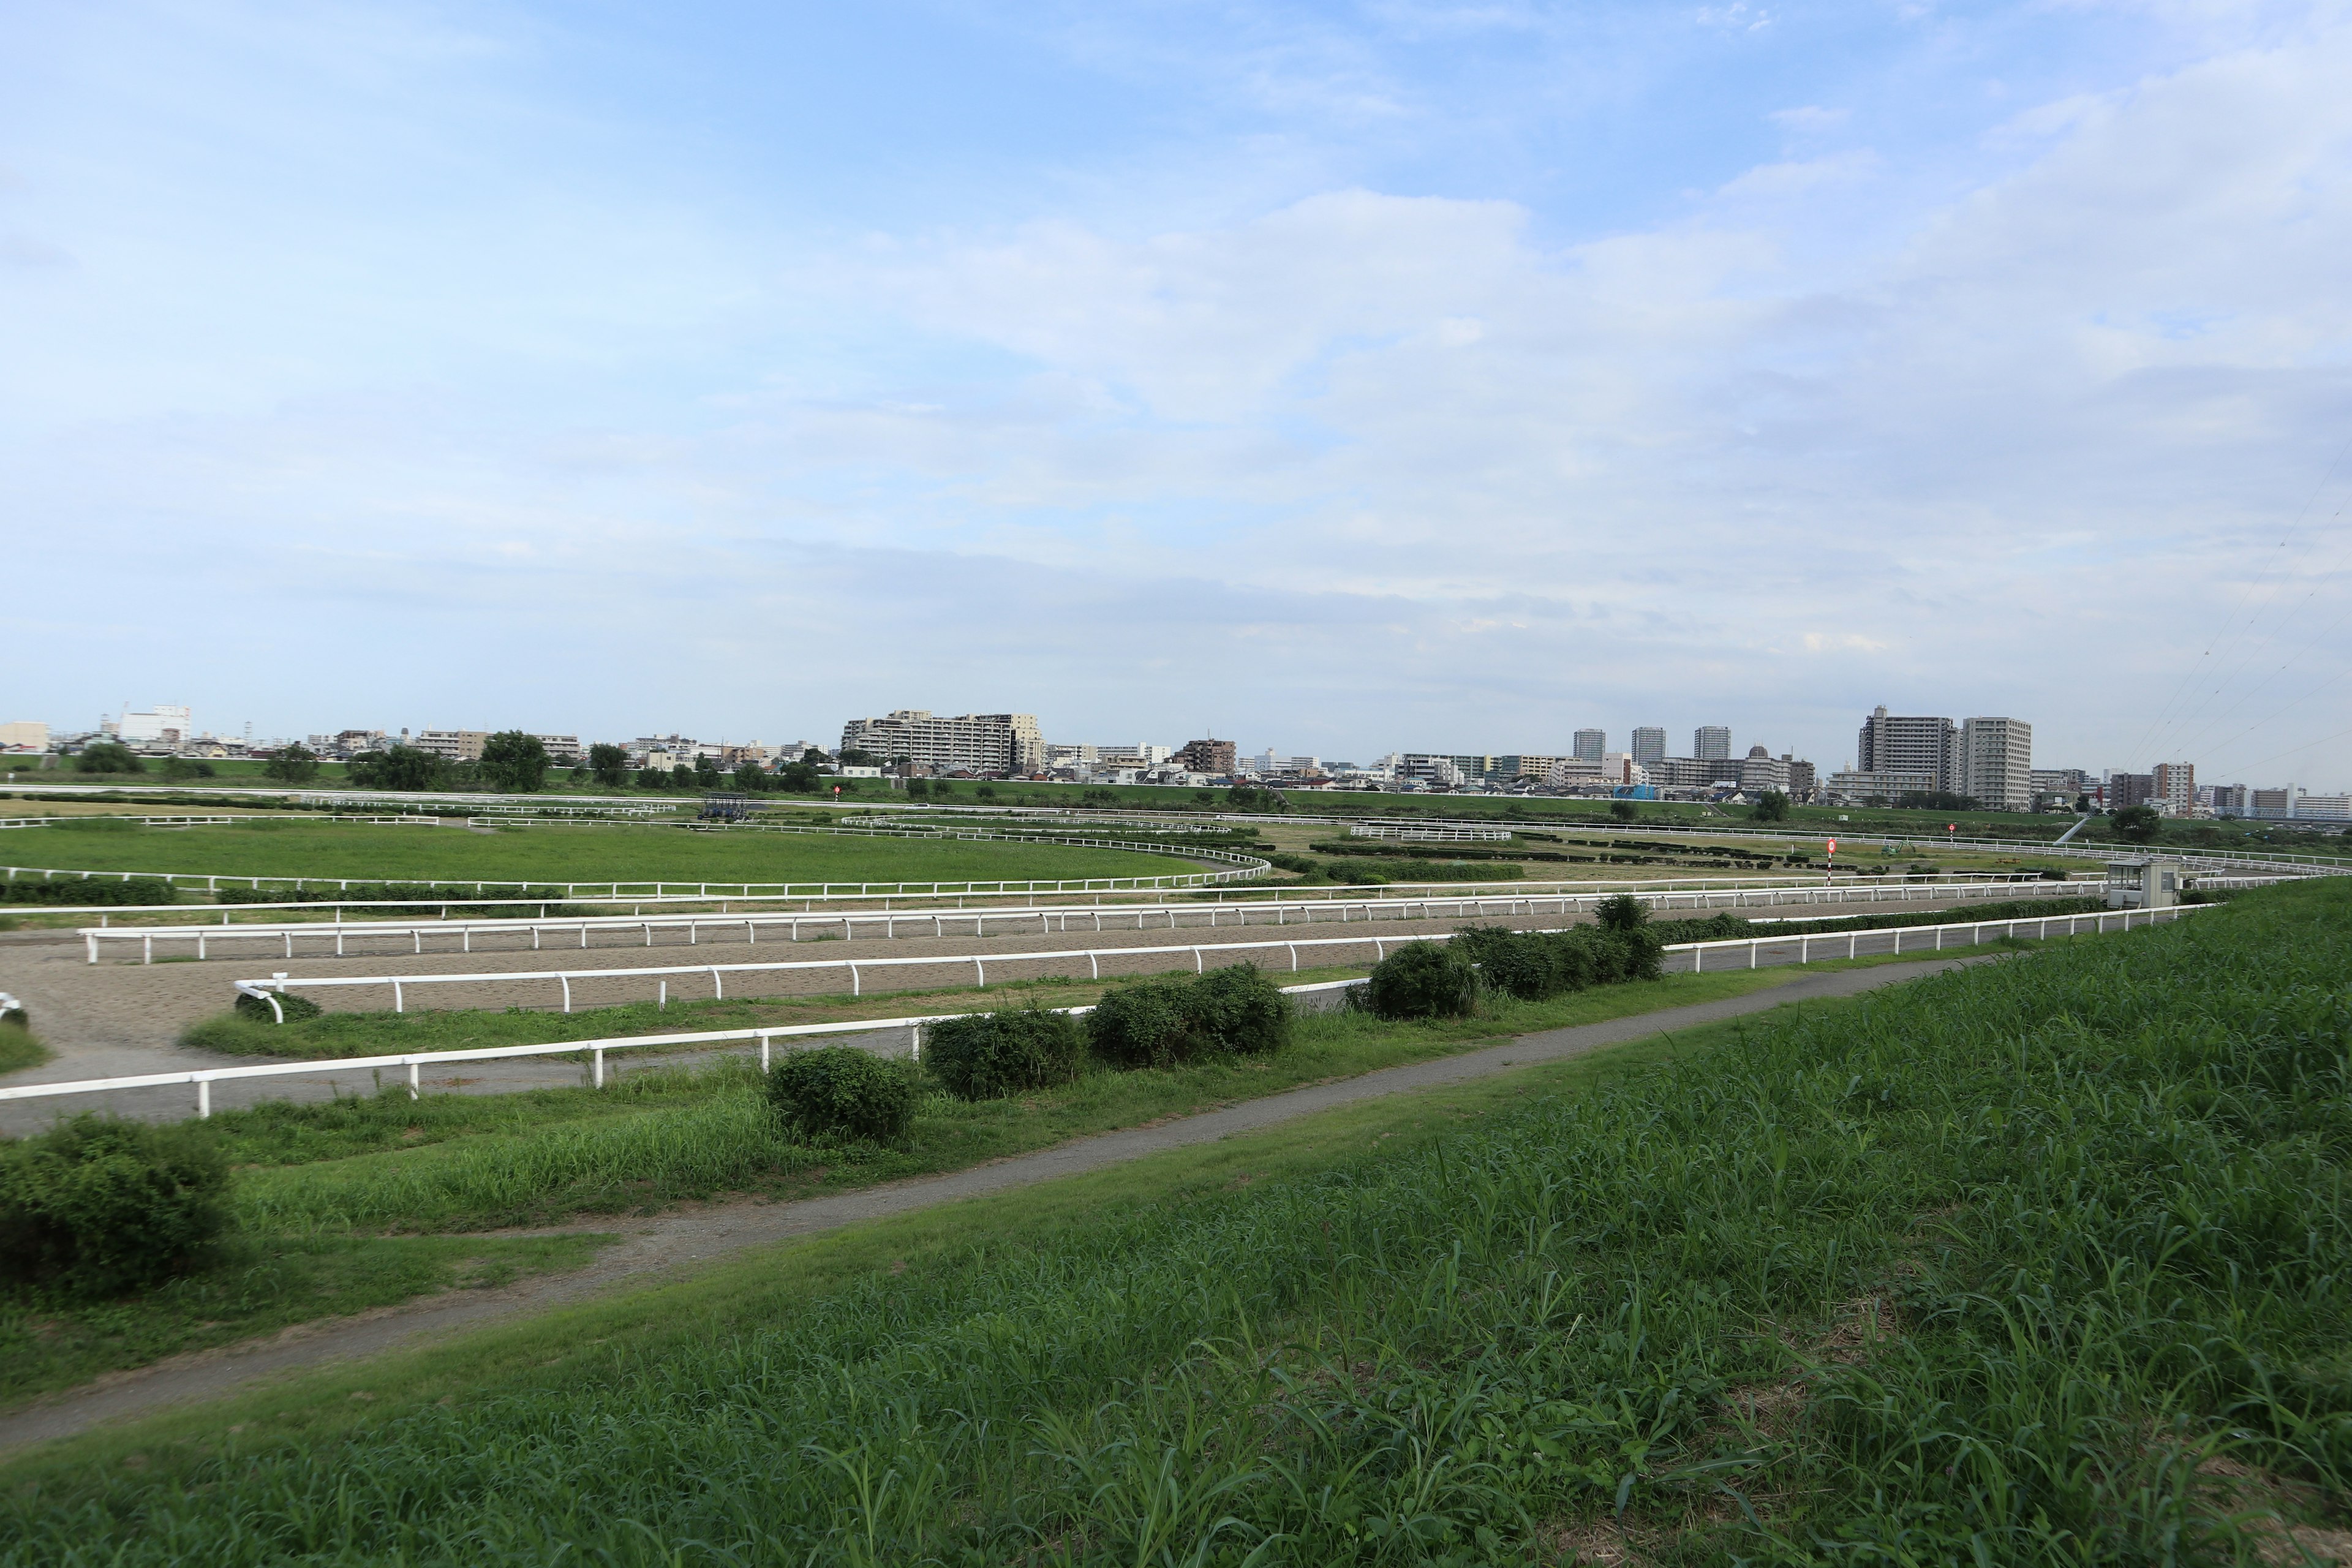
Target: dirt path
[[669, 1245]]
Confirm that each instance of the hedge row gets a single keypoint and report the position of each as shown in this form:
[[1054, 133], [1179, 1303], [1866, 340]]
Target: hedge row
[[843, 1092], [89, 891], [421, 893]]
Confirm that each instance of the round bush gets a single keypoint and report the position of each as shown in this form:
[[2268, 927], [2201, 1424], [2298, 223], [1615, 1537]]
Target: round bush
[[840, 1091], [296, 1008], [1240, 1009], [986, 1056], [1140, 1026], [1160, 1023], [103, 1205], [1424, 980]]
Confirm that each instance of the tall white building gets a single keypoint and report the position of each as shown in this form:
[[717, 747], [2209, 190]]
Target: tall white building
[[1649, 744], [1711, 742], [1996, 763], [162, 725]]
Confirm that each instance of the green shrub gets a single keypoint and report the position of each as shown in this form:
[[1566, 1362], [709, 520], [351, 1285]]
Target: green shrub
[[1532, 965], [840, 1091], [1141, 1025], [1623, 912], [1240, 1009], [103, 1204], [1424, 980], [1160, 1023], [296, 1008], [986, 1056]]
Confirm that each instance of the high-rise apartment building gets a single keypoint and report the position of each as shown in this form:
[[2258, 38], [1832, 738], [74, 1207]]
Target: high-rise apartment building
[[1916, 747], [1711, 742], [1649, 744], [1995, 763], [2125, 790], [1590, 745], [2173, 786], [2228, 800], [1205, 756], [970, 742]]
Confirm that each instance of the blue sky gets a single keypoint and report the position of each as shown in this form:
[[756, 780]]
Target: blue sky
[[1336, 378]]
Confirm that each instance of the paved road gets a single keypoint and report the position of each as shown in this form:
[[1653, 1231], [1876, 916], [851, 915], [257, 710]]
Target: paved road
[[673, 1244]]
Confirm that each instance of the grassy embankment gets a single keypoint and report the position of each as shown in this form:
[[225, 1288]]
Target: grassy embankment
[[290, 848], [328, 1195], [2040, 1261]]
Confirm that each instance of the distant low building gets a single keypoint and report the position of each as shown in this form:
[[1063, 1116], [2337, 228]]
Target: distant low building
[[25, 735], [452, 745]]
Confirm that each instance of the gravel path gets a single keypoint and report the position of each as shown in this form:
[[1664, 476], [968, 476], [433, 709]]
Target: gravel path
[[671, 1245]]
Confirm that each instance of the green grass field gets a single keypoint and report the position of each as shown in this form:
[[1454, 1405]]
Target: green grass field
[[331, 1197], [323, 850], [2038, 1262]]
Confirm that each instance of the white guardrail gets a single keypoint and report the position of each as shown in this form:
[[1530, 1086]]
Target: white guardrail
[[278, 985], [613, 892], [1270, 892], [1047, 918], [202, 1079]]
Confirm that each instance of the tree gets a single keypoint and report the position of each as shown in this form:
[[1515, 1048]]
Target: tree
[[108, 757], [750, 777], [293, 764], [1624, 810], [851, 757], [919, 789], [2083, 803], [2139, 824], [801, 778], [1773, 806], [707, 775], [512, 760], [398, 767], [609, 764]]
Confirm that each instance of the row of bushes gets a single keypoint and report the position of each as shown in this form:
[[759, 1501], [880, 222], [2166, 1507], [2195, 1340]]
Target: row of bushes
[[416, 893], [843, 1091], [78, 891]]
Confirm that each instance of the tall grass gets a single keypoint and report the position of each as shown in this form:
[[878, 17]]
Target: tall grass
[[724, 1140], [2043, 1261]]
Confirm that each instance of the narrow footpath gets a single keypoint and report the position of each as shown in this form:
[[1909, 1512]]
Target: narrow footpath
[[669, 1245]]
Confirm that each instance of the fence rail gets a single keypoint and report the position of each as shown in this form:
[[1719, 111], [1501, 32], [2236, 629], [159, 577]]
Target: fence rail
[[270, 989], [1882, 888], [202, 1079], [1456, 905]]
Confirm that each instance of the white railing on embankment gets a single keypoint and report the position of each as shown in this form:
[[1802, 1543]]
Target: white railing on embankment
[[202, 1079], [273, 987], [887, 924], [1659, 892]]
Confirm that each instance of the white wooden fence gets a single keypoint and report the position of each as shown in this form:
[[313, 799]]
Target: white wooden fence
[[1046, 920], [202, 1079]]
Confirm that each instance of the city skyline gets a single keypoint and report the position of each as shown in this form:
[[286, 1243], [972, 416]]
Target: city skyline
[[1354, 375]]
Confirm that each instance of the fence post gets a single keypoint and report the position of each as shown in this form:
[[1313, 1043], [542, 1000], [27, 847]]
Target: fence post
[[566, 981], [415, 1087], [599, 1054]]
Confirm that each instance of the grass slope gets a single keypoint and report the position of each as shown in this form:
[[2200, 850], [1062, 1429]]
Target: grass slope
[[604, 853], [2040, 1261]]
